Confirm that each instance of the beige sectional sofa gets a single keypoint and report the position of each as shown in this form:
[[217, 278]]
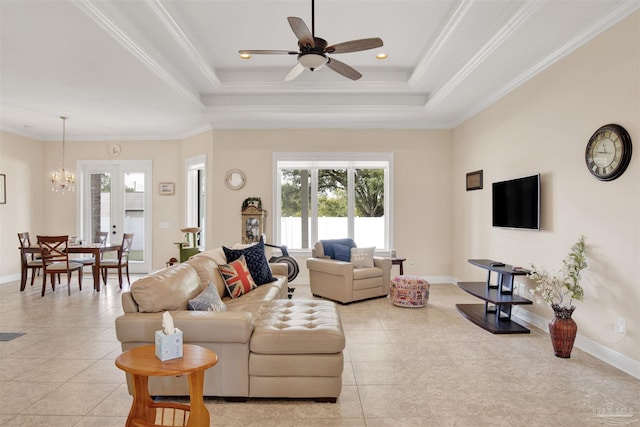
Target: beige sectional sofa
[[254, 315]]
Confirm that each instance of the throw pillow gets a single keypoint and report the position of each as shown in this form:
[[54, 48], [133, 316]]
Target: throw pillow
[[256, 262], [208, 300], [362, 257], [342, 253], [237, 277]]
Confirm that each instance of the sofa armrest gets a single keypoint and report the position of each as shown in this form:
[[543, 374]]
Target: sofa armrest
[[385, 264], [197, 326], [279, 269], [330, 266], [129, 305]]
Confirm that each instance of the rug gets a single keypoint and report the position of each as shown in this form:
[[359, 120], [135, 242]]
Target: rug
[[8, 336]]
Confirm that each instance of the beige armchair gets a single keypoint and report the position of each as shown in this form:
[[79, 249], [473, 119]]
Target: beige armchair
[[341, 281]]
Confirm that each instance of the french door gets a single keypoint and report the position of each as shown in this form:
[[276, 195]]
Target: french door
[[115, 196]]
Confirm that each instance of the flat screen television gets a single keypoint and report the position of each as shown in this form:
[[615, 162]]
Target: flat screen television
[[516, 203]]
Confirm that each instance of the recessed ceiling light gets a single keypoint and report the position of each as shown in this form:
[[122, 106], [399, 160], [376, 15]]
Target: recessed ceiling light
[[381, 55], [245, 56]]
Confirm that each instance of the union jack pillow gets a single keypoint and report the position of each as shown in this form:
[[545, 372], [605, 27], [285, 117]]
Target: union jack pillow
[[237, 277]]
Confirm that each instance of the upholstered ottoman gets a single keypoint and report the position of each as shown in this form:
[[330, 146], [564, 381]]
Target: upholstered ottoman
[[296, 351], [409, 291]]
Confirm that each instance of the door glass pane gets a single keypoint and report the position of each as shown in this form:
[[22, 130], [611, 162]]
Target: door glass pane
[[100, 219], [369, 221], [296, 208], [333, 204], [134, 211]]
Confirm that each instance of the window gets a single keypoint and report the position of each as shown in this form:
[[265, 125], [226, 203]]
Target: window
[[332, 195]]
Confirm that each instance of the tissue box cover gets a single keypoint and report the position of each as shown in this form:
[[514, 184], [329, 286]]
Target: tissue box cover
[[169, 346]]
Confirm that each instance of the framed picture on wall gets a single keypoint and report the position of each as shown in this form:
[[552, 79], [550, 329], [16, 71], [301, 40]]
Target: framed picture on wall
[[474, 180], [167, 188], [3, 189]]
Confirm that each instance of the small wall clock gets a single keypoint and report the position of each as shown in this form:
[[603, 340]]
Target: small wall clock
[[608, 152]]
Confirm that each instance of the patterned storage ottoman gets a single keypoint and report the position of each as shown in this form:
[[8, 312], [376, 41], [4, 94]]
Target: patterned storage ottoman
[[409, 291]]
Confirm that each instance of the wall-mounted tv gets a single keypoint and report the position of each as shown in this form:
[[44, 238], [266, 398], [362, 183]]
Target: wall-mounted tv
[[516, 203]]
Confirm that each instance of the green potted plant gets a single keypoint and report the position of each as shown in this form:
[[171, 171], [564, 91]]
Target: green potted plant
[[560, 290]]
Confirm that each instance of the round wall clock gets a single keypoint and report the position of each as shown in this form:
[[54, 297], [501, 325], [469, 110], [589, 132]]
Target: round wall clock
[[608, 152], [235, 179], [114, 150]]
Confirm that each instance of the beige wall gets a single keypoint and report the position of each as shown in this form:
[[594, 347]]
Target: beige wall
[[543, 127], [421, 192], [21, 160]]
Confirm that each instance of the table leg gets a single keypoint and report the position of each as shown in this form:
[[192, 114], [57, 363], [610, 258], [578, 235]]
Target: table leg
[[141, 407], [401, 268], [199, 414], [23, 276], [96, 271]]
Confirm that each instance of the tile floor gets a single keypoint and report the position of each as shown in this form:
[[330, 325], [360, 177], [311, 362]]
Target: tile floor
[[403, 367]]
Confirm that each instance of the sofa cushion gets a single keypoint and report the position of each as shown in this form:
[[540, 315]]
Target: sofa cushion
[[362, 257], [168, 289], [256, 262], [237, 277], [208, 300]]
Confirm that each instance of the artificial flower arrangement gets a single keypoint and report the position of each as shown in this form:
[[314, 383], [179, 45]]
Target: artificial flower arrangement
[[563, 287]]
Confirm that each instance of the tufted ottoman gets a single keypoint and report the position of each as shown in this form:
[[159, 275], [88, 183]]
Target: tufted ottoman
[[296, 351], [409, 291]]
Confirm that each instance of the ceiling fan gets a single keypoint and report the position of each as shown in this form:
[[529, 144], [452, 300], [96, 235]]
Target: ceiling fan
[[314, 51]]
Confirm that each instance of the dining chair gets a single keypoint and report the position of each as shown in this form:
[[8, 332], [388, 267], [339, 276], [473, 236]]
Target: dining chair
[[55, 260], [31, 261], [100, 237], [122, 260]]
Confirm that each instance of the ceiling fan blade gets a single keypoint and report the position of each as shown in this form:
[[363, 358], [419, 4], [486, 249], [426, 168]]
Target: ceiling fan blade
[[301, 31], [267, 52], [294, 72], [355, 45], [344, 69]]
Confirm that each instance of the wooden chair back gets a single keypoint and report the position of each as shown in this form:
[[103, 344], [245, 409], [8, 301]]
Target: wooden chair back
[[54, 249], [127, 241], [101, 237]]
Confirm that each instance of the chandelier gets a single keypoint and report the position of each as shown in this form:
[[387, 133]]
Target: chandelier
[[62, 180]]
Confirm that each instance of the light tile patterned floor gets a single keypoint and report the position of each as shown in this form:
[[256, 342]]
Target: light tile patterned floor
[[404, 367]]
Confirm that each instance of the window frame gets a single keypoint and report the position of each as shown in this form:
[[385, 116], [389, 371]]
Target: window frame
[[315, 161]]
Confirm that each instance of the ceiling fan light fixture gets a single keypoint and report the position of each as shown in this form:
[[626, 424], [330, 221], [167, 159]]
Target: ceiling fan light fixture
[[381, 55], [245, 56], [312, 61]]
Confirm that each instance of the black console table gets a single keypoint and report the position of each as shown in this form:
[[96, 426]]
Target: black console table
[[495, 314]]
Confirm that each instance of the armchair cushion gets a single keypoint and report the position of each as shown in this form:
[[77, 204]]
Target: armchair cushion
[[256, 262]]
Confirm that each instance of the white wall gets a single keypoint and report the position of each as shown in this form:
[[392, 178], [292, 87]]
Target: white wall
[[543, 127]]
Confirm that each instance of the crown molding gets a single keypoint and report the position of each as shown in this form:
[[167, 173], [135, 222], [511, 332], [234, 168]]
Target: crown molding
[[585, 36], [181, 38], [496, 41], [94, 12], [448, 30]]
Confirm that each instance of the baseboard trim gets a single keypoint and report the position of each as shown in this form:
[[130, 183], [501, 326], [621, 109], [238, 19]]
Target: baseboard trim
[[613, 358], [9, 278]]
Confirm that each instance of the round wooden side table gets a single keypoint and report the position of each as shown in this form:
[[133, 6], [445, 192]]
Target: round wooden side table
[[141, 362]]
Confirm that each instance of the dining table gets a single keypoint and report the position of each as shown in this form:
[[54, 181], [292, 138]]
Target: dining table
[[95, 249]]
